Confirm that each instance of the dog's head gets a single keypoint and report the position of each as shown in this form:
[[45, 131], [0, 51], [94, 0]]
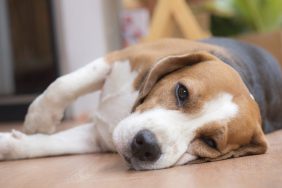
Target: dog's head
[[191, 108]]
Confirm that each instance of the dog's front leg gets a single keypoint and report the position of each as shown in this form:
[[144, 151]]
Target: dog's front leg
[[78, 140], [47, 110]]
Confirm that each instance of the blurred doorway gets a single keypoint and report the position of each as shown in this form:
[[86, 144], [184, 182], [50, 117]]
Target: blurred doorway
[[28, 62]]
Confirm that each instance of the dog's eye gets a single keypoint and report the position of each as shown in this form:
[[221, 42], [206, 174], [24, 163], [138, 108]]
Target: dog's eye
[[181, 93], [209, 141]]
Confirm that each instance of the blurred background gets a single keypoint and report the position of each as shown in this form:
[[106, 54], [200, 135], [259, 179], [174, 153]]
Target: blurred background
[[43, 39]]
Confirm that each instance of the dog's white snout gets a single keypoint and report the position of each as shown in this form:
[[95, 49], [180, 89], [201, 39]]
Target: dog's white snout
[[150, 140]]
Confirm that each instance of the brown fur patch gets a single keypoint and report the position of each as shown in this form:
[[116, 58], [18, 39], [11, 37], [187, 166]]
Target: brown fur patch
[[143, 56]]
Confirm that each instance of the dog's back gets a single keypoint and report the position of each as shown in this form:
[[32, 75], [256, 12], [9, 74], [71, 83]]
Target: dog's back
[[261, 74]]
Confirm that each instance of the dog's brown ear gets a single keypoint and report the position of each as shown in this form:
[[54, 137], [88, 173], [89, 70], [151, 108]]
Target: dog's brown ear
[[167, 65], [257, 145]]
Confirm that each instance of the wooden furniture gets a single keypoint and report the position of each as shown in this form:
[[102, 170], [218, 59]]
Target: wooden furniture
[[171, 13]]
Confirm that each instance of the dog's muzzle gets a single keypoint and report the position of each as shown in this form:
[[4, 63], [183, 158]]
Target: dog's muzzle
[[144, 146]]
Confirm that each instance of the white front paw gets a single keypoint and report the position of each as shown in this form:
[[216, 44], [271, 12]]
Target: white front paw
[[41, 118], [8, 145]]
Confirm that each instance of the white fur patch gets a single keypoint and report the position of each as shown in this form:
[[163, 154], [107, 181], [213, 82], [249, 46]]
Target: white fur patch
[[174, 130], [47, 110], [117, 99], [17, 145]]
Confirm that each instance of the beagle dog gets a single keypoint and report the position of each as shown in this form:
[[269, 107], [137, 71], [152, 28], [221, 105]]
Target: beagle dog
[[162, 104]]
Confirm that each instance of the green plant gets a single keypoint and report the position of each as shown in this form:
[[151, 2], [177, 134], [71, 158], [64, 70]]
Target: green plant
[[245, 15]]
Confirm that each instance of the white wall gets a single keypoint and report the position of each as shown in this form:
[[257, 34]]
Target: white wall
[[83, 31], [6, 64]]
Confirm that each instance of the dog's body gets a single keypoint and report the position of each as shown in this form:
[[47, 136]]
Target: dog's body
[[148, 115]]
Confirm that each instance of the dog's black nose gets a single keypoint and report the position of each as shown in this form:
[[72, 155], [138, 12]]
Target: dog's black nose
[[144, 146]]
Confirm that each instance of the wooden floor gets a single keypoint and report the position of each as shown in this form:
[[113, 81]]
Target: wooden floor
[[108, 170]]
